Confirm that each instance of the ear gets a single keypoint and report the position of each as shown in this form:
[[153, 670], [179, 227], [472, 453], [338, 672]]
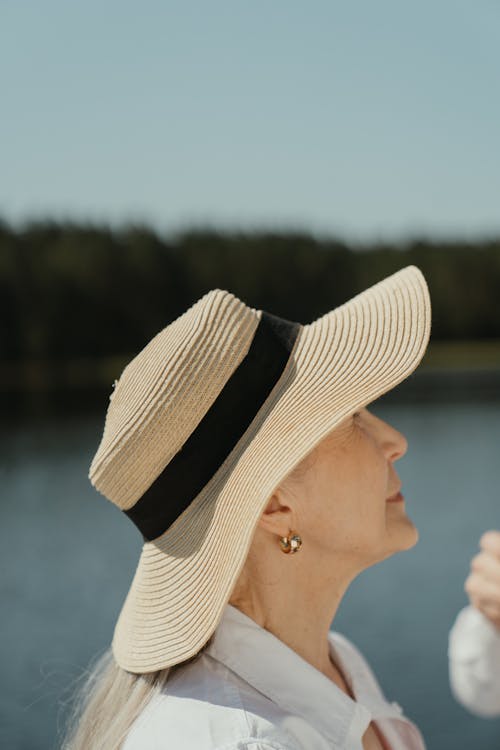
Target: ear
[[277, 517]]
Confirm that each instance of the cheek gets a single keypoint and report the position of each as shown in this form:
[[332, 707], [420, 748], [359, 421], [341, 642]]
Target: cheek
[[345, 496], [363, 511], [343, 507], [366, 483]]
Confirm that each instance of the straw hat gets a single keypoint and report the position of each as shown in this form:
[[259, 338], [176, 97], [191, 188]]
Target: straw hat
[[207, 420]]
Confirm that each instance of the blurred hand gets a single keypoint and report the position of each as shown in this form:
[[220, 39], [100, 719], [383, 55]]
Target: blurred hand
[[483, 582]]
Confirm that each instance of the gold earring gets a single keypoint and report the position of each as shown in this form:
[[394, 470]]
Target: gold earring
[[290, 544]]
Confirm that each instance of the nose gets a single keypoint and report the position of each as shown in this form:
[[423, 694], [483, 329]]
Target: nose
[[396, 443], [393, 442]]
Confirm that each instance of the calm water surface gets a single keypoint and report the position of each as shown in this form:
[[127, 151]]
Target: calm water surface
[[68, 555]]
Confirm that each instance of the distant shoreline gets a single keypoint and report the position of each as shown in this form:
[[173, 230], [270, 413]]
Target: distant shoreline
[[458, 358]]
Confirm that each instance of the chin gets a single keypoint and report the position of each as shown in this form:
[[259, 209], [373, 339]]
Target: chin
[[408, 535], [403, 536], [400, 540]]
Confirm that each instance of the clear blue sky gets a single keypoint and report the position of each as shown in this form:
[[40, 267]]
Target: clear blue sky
[[365, 119]]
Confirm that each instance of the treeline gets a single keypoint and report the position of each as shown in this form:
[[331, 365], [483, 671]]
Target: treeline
[[69, 290]]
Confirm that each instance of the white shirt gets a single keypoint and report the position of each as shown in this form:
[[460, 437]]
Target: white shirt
[[474, 662], [250, 691]]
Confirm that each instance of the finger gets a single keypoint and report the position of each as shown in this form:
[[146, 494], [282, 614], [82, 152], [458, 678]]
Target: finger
[[490, 542], [486, 565], [490, 611], [481, 590], [493, 607]]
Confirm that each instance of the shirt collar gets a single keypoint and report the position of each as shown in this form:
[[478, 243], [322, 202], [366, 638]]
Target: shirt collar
[[295, 685]]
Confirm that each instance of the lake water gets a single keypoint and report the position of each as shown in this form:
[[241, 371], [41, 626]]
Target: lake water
[[67, 557]]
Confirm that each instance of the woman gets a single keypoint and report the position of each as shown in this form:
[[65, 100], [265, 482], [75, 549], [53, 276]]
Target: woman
[[474, 643], [240, 445]]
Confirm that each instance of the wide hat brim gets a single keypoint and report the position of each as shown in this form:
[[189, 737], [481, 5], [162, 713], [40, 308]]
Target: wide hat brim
[[342, 361]]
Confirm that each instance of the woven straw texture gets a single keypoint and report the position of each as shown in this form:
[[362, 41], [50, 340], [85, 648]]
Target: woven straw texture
[[341, 362]]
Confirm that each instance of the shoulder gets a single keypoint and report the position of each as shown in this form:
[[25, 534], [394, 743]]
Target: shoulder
[[205, 706]]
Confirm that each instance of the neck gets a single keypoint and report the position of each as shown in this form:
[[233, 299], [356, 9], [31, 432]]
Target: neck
[[296, 605]]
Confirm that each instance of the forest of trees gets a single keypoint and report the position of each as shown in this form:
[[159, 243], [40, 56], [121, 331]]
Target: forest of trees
[[70, 290]]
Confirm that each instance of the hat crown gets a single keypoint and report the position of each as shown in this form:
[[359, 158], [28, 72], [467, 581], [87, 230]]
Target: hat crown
[[165, 390]]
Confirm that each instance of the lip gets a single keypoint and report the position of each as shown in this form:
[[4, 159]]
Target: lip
[[397, 498]]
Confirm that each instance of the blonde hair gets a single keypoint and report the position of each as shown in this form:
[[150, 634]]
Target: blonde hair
[[107, 700]]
